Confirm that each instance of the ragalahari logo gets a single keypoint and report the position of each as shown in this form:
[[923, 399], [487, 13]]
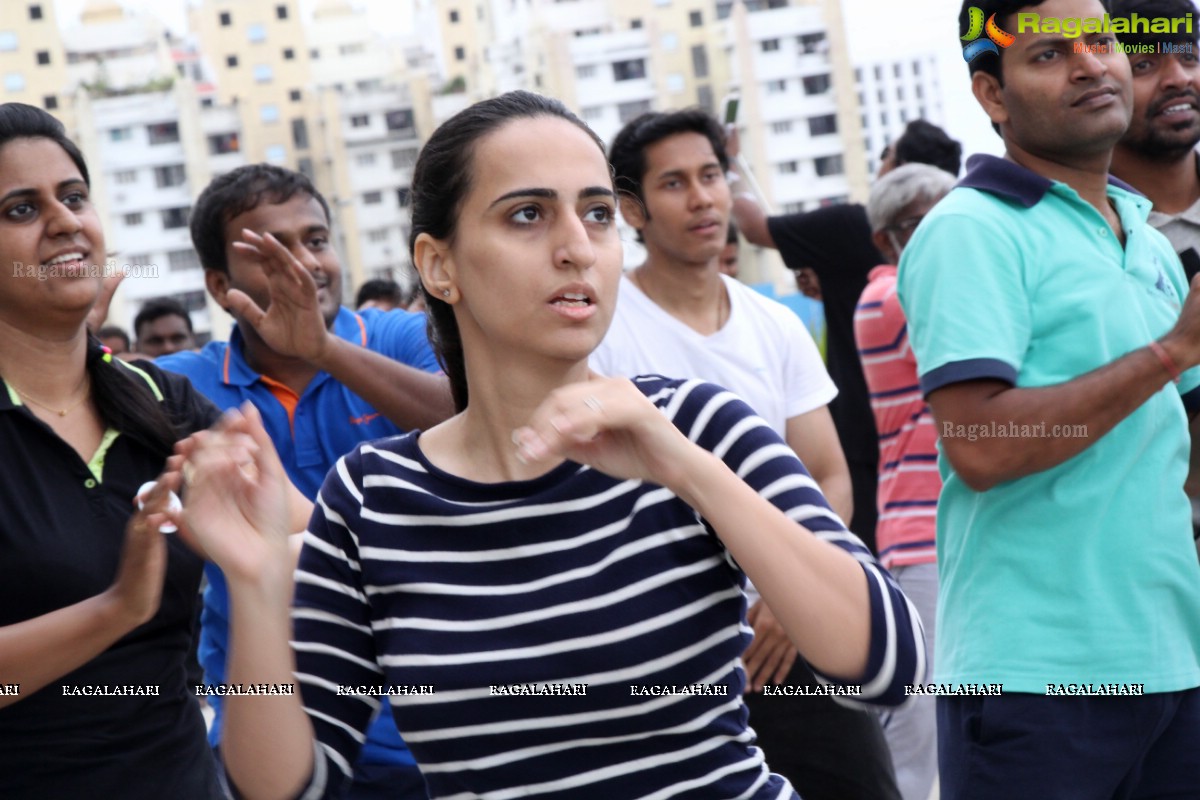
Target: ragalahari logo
[[995, 36]]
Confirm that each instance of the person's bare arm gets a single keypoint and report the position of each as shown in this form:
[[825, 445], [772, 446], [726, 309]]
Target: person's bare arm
[[750, 217], [814, 438], [1093, 404], [409, 397], [35, 652]]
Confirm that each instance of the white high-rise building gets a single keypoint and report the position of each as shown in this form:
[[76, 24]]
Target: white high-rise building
[[894, 92]]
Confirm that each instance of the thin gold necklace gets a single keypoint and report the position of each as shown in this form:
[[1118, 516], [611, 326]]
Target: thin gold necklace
[[62, 412]]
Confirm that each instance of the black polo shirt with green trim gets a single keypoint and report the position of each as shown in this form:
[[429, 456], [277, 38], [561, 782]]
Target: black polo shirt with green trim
[[124, 724]]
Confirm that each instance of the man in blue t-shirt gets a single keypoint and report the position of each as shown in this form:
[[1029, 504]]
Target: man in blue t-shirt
[[1057, 342], [323, 378]]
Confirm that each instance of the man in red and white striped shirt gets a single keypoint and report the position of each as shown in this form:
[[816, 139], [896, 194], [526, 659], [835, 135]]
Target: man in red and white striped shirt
[[908, 478]]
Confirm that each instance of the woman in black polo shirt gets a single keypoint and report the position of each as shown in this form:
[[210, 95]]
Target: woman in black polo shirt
[[96, 605]]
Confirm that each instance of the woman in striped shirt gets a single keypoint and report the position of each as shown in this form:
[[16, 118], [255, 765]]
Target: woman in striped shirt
[[548, 586]]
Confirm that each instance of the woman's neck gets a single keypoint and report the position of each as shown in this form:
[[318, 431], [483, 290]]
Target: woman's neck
[[477, 444], [46, 367]]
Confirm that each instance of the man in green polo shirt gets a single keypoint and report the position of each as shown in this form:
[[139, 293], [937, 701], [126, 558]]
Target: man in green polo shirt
[[1055, 335]]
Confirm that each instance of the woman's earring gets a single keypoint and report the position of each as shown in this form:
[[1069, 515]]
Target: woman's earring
[[445, 292]]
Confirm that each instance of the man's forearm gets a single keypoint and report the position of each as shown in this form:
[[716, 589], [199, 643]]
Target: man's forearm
[[411, 398], [1053, 423]]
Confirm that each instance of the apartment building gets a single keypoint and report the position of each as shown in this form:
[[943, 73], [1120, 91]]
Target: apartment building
[[33, 65]]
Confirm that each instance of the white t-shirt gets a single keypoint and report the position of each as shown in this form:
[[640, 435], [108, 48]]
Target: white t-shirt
[[763, 354]]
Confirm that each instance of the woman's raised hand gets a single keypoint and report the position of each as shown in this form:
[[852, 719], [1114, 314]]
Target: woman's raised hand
[[235, 502], [608, 424], [138, 586]]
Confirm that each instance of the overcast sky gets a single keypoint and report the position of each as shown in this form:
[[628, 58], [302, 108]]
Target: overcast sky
[[876, 28]]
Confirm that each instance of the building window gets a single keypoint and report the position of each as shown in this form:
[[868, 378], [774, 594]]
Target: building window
[[8, 41], [256, 33], [817, 84], [299, 133], [352, 49], [163, 133], [276, 154], [896, 70], [460, 54], [777, 86], [635, 24], [294, 95], [695, 19], [453, 15], [262, 73], [704, 97], [404, 159], [586, 71], [920, 92], [378, 235], [269, 113], [174, 217], [132, 220], [788, 167], [221, 143], [815, 43], [225, 18], [781, 127], [837, 200], [281, 12], [823, 125], [231, 61], [916, 67], [700, 61], [359, 121], [183, 260], [365, 159], [402, 196], [120, 134], [50, 102], [878, 73], [314, 54], [903, 116], [125, 176], [137, 260], [289, 54], [770, 45], [14, 82], [173, 175], [305, 167], [829, 165], [43, 57], [592, 113], [35, 12], [675, 83], [399, 120], [630, 111], [372, 198], [631, 70]]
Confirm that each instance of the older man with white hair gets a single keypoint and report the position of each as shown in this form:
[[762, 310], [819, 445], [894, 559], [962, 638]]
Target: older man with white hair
[[908, 479]]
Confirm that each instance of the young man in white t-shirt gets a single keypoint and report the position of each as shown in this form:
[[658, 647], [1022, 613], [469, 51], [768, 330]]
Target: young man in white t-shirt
[[678, 316]]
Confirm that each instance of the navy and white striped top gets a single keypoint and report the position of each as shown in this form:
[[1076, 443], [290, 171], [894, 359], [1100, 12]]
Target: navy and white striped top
[[412, 577]]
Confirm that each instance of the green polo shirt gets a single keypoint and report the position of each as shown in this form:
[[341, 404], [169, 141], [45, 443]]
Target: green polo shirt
[[1086, 572]]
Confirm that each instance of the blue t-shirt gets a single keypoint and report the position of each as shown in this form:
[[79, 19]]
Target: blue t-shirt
[[1085, 572], [329, 421]]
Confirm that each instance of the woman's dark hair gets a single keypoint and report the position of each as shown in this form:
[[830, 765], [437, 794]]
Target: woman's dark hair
[[124, 400], [441, 180]]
